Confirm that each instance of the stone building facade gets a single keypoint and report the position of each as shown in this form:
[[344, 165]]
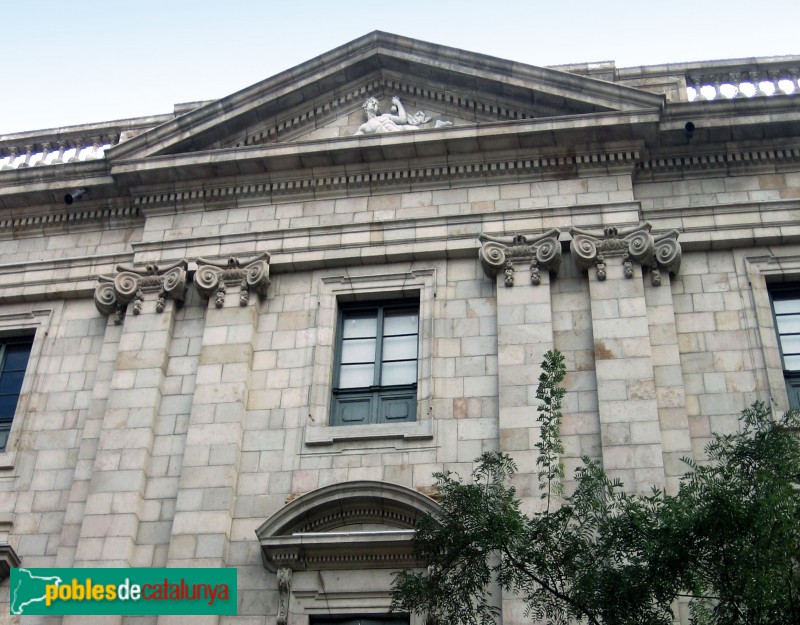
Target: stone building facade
[[250, 331]]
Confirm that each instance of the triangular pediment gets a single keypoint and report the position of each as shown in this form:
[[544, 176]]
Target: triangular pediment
[[323, 99]]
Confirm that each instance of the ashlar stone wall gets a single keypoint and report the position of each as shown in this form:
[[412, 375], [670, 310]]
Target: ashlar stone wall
[[166, 440]]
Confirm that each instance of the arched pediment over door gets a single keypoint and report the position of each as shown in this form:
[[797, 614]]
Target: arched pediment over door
[[352, 525]]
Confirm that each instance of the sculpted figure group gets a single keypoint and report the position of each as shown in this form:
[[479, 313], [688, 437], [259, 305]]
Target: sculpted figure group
[[396, 121]]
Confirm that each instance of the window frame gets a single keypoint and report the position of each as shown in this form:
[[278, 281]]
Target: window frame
[[23, 321], [7, 423], [359, 285], [784, 292], [376, 394]]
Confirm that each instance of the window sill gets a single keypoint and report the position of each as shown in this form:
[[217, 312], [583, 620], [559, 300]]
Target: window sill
[[7, 459], [327, 435]]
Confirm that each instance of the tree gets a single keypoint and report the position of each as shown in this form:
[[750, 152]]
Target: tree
[[602, 556], [738, 520]]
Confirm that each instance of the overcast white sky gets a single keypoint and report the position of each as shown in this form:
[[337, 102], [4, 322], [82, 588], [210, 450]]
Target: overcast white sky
[[71, 62]]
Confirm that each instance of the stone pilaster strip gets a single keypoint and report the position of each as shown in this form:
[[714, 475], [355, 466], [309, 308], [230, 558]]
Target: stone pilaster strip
[[627, 399], [88, 446], [543, 252], [670, 389], [524, 334], [202, 525], [213, 278], [116, 491]]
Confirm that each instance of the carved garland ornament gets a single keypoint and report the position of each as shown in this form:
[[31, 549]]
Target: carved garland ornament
[[130, 284], [636, 244], [212, 278], [284, 588], [499, 254]]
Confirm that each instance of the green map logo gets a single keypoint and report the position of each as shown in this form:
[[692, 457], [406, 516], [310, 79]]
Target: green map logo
[[122, 591]]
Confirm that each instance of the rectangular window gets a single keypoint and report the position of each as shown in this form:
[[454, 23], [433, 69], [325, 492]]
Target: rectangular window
[[375, 380], [14, 354], [786, 308]]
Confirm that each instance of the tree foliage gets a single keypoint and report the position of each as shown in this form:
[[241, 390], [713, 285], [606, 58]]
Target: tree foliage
[[729, 539], [738, 520]]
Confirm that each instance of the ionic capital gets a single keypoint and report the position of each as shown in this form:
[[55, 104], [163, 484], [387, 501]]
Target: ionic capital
[[130, 284], [631, 245], [213, 277], [542, 251]]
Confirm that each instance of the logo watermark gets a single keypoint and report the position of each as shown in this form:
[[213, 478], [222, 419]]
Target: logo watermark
[[122, 591]]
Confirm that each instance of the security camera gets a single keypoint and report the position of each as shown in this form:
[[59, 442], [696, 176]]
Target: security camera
[[688, 130], [77, 194]]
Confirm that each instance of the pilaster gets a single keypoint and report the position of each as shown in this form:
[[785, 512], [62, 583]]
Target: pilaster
[[522, 267], [109, 530], [87, 451], [628, 402], [201, 528], [668, 374]]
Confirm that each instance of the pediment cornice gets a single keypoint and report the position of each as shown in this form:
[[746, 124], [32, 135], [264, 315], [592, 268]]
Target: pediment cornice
[[344, 153], [382, 56], [303, 534]]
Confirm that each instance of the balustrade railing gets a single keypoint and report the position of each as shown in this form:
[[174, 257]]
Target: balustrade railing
[[742, 83], [38, 153]]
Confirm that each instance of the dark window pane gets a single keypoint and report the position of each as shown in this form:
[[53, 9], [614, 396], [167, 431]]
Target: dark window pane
[[14, 354], [11, 382], [16, 357], [8, 404]]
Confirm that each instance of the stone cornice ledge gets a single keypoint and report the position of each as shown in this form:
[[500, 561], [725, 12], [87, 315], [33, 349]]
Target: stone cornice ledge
[[337, 550], [351, 150], [328, 435], [67, 278], [68, 220]]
